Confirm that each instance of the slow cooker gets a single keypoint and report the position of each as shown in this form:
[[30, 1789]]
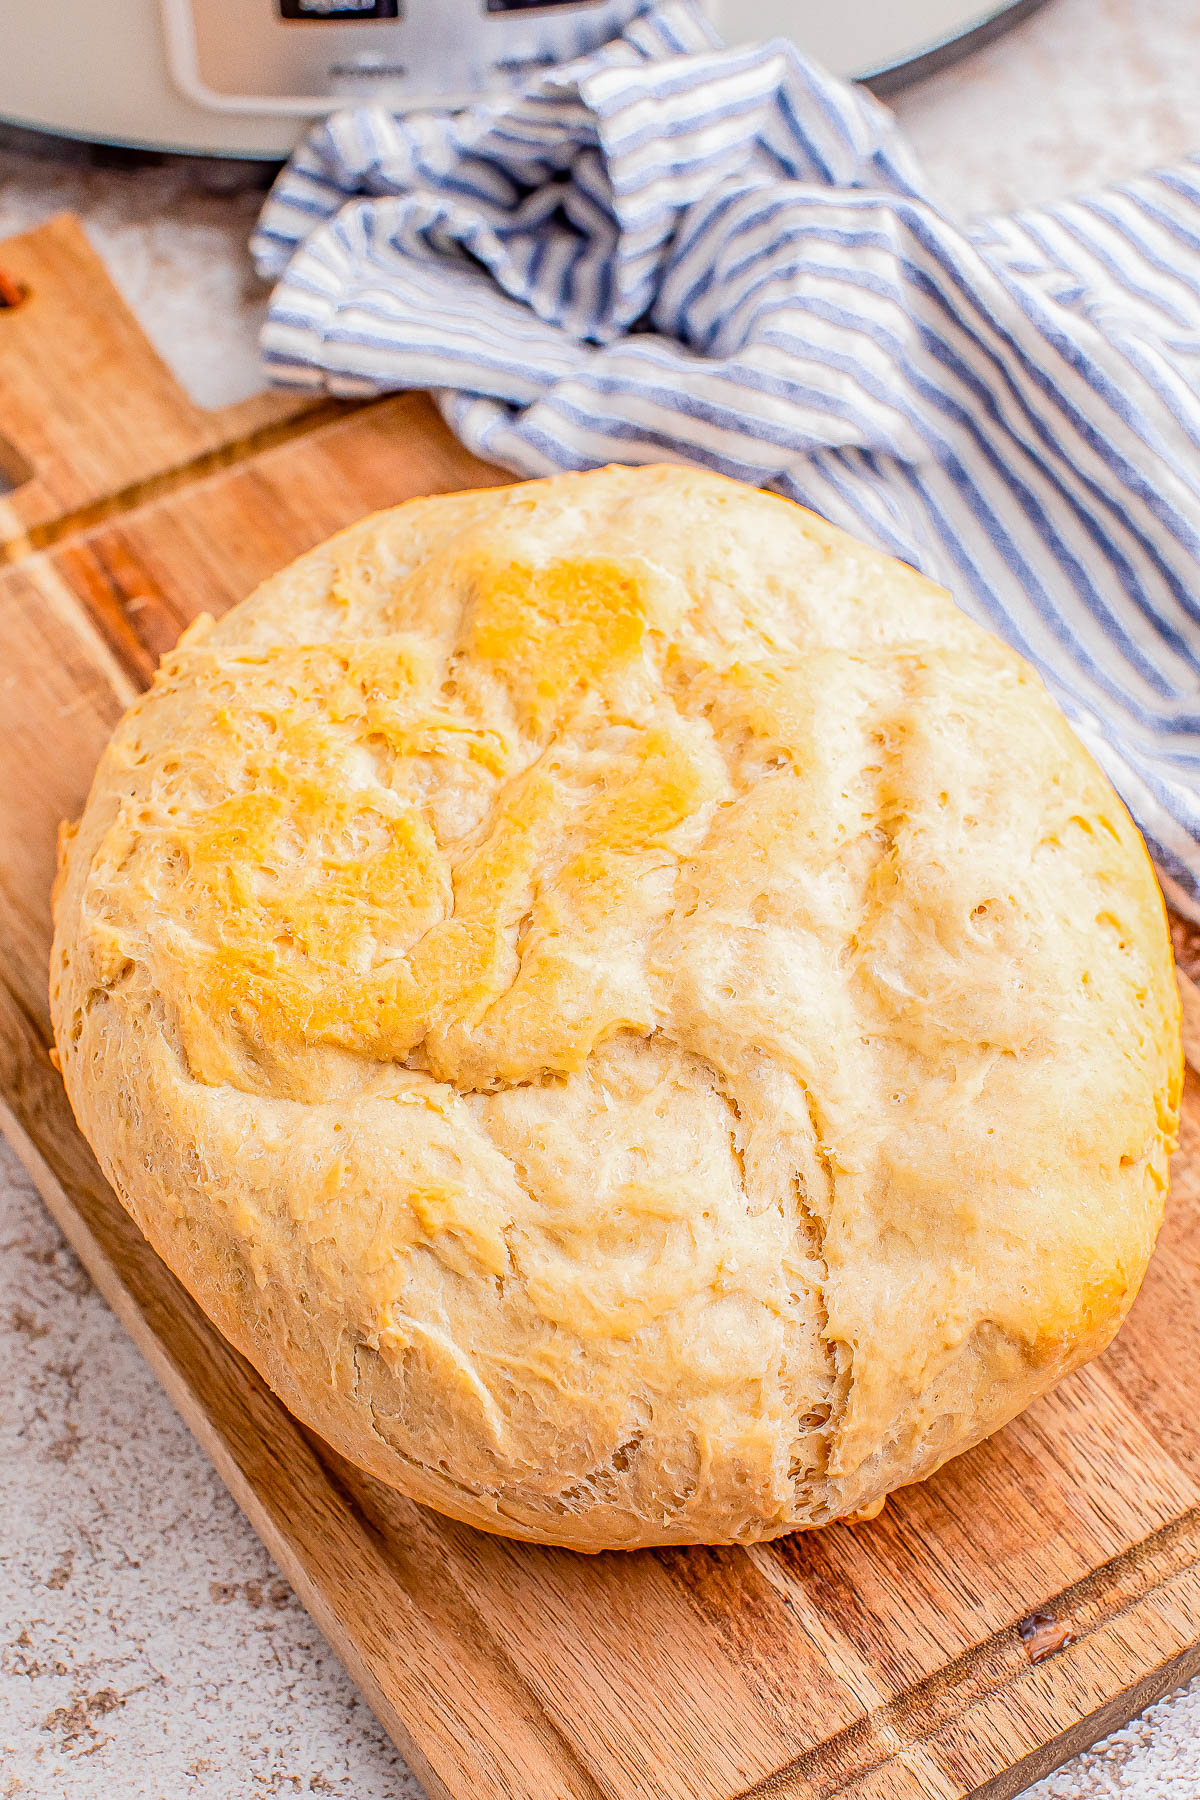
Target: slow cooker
[[242, 78]]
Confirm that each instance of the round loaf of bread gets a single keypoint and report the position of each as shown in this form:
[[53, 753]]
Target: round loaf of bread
[[634, 1014]]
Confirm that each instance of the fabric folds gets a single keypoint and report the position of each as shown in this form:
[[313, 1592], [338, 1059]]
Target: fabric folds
[[672, 251]]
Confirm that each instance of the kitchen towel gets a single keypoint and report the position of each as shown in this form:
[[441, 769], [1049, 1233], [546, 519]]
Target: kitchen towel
[[672, 251]]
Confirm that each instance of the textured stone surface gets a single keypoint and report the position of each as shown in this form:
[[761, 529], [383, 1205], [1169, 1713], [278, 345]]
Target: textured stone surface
[[148, 1648], [1083, 93]]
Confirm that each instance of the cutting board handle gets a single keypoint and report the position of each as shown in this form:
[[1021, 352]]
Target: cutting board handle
[[88, 409]]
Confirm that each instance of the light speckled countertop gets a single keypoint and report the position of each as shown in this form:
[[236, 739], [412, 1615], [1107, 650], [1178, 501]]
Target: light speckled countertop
[[148, 1648]]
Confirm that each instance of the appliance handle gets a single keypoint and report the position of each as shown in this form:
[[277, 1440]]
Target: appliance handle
[[180, 31]]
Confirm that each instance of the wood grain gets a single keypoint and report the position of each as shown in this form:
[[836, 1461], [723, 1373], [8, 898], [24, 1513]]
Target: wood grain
[[884, 1661], [146, 574], [1186, 939], [89, 409]]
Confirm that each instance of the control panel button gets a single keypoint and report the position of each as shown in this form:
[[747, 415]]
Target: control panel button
[[325, 12]]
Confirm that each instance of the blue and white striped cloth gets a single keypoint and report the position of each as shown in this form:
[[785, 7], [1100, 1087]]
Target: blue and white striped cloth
[[667, 250]]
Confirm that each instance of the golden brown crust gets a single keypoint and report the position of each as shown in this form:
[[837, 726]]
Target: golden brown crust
[[635, 1015]]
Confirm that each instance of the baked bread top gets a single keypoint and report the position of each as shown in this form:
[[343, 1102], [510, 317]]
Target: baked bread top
[[636, 1015]]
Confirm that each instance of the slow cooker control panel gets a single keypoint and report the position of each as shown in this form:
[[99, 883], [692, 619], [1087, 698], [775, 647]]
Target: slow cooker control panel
[[322, 11], [310, 56]]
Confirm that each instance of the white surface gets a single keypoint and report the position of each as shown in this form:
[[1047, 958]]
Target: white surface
[[857, 37], [148, 1651], [101, 70]]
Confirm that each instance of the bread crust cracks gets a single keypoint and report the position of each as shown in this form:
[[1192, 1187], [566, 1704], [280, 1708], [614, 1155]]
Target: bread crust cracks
[[634, 1013]]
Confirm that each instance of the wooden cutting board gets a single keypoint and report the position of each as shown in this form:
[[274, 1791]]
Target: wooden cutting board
[[987, 1625]]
